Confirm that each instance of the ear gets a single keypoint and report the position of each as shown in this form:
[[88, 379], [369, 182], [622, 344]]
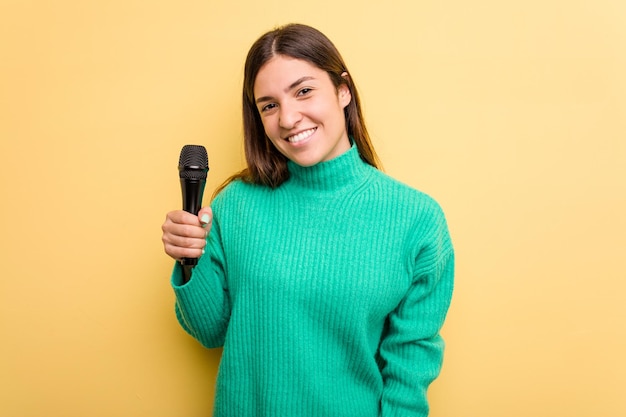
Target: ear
[[343, 92]]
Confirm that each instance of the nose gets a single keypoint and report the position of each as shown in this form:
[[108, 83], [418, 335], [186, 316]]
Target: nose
[[288, 117]]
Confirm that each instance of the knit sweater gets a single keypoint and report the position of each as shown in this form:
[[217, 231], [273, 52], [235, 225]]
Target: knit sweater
[[327, 294]]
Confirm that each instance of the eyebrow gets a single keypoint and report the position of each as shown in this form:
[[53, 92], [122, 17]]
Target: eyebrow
[[291, 87]]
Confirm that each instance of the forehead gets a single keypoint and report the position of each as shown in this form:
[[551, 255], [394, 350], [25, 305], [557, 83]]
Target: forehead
[[280, 71]]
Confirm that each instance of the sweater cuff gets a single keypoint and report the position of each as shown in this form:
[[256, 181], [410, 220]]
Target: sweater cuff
[[177, 276]]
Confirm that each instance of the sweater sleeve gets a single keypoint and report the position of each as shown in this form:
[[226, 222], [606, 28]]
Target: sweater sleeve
[[411, 352], [202, 304]]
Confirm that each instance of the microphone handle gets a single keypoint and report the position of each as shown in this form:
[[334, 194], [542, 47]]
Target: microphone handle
[[193, 189], [192, 194]]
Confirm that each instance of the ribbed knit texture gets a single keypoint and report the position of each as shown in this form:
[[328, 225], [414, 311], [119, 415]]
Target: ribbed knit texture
[[327, 293]]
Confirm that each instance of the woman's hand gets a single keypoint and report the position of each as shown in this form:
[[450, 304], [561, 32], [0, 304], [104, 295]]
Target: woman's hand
[[184, 234]]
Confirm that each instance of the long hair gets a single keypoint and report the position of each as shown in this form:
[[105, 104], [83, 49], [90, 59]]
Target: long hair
[[265, 164]]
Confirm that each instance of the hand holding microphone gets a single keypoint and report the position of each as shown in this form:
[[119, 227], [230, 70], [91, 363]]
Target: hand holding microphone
[[185, 231]]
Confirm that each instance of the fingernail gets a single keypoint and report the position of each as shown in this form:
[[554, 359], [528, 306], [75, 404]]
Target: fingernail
[[203, 251], [205, 218]]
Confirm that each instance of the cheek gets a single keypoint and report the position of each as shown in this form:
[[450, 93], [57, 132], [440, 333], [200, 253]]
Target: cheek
[[268, 126], [273, 134]]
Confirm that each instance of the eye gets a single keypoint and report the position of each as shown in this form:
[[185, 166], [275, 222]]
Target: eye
[[304, 91], [268, 107]]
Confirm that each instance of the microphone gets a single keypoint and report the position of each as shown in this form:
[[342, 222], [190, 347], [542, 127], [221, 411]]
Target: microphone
[[193, 167]]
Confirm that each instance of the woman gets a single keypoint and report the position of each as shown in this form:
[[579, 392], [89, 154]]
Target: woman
[[325, 281]]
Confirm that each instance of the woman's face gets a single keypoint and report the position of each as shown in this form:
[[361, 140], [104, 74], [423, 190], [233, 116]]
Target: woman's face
[[301, 110]]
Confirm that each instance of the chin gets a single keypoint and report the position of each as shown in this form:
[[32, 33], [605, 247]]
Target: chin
[[305, 162], [304, 159]]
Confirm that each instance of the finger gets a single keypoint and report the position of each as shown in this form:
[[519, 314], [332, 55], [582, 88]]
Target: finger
[[182, 217], [185, 242], [182, 229], [178, 253], [183, 247], [185, 230]]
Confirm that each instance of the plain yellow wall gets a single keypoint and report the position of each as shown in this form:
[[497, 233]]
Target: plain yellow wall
[[511, 114]]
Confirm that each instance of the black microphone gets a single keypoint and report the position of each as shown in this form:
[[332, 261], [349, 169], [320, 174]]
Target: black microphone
[[193, 167]]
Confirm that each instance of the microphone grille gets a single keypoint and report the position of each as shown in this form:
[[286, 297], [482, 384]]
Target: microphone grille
[[193, 163]]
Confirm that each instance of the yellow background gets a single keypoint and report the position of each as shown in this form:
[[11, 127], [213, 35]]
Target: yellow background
[[511, 114]]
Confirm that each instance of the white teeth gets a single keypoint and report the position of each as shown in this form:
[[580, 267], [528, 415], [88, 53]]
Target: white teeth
[[301, 136]]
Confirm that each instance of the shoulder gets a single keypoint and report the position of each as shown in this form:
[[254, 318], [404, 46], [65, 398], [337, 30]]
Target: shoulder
[[239, 187], [405, 196], [418, 213], [239, 195]]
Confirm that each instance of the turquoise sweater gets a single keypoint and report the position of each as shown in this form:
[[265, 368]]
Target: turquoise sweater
[[327, 294]]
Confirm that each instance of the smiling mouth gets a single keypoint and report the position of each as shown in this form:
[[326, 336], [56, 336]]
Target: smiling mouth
[[301, 136]]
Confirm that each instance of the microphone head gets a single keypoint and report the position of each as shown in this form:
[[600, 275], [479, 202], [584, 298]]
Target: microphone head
[[193, 163]]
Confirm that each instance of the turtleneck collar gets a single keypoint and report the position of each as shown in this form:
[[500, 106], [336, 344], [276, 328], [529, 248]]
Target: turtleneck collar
[[345, 170]]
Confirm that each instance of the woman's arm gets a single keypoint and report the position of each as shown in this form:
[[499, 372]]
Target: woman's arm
[[203, 304], [411, 351]]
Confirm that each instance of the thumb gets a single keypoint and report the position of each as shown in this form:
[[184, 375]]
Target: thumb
[[206, 216]]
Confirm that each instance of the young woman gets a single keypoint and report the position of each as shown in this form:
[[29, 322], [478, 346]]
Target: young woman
[[325, 281]]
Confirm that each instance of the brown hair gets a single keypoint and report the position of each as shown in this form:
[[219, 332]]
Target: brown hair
[[266, 165]]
